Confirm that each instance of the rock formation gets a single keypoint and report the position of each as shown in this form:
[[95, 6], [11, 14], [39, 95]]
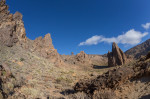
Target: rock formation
[[46, 49], [72, 53], [116, 57], [83, 58], [12, 32], [110, 80], [11, 26]]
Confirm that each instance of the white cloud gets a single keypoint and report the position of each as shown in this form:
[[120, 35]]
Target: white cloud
[[131, 37], [91, 41], [146, 26]]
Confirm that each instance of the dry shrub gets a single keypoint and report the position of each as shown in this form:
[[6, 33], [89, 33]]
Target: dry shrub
[[79, 95], [107, 94]]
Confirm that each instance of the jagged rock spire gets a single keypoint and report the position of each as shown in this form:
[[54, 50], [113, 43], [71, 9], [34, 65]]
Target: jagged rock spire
[[116, 57], [12, 29]]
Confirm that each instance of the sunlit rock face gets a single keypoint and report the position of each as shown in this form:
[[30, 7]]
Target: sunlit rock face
[[82, 58], [45, 48], [12, 32], [116, 57], [12, 28]]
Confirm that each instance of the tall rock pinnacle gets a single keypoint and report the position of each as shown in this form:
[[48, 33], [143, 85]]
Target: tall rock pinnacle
[[116, 57]]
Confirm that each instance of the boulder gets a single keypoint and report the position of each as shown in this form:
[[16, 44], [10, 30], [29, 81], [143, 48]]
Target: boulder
[[116, 57]]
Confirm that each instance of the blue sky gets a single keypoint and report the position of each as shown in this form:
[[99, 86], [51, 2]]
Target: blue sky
[[89, 25]]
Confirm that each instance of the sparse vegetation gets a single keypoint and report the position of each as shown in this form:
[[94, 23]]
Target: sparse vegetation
[[22, 59], [33, 69]]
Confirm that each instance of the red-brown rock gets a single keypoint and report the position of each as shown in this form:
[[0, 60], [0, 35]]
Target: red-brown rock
[[116, 57], [11, 26], [45, 48], [83, 58]]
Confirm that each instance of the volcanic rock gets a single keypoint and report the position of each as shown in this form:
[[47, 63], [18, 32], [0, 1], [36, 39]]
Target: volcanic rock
[[109, 81], [116, 57], [12, 32], [11, 26], [83, 58], [45, 48]]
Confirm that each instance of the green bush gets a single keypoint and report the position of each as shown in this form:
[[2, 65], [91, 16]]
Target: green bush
[[22, 59]]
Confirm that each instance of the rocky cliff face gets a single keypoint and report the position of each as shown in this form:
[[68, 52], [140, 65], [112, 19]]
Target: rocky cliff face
[[45, 48], [12, 32], [11, 26], [116, 57]]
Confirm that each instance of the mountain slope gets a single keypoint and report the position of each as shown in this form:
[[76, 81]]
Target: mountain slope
[[139, 50]]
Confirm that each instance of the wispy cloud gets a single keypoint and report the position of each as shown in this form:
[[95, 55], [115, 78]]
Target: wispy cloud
[[146, 26], [131, 37]]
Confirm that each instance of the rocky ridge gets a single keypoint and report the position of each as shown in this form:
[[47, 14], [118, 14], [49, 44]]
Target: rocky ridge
[[139, 50], [12, 28], [28, 68], [12, 33]]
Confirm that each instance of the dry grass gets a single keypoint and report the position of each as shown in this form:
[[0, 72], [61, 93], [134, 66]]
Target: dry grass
[[39, 73]]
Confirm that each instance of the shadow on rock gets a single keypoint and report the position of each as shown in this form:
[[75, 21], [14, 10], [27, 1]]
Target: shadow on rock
[[67, 92], [100, 67], [146, 97]]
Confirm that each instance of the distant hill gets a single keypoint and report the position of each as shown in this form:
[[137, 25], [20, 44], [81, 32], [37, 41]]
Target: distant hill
[[139, 50]]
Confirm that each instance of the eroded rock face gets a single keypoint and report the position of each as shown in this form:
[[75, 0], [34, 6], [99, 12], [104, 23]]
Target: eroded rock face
[[11, 26], [83, 58], [46, 49], [12, 32], [116, 57]]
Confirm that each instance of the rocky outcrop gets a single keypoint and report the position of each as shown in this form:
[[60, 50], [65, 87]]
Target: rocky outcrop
[[111, 80], [12, 32], [11, 26], [116, 57], [45, 48], [82, 58]]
